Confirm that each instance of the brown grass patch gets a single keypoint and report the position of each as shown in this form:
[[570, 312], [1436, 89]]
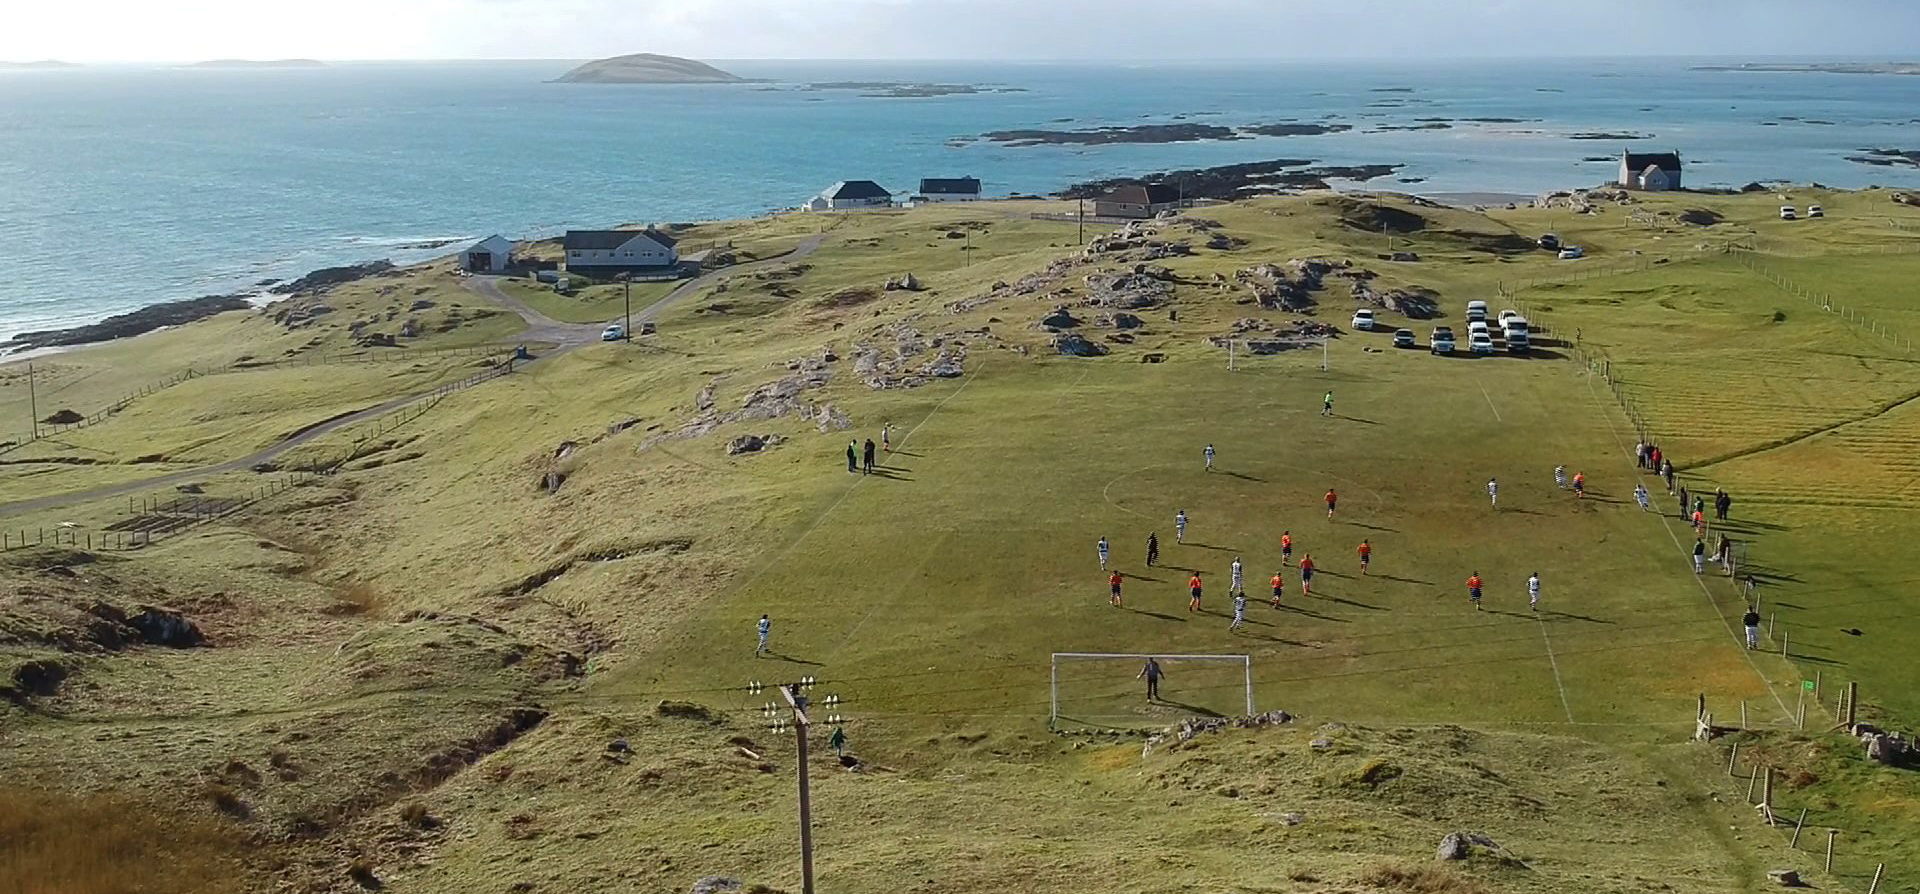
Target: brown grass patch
[[1420, 880], [848, 298], [55, 844], [360, 598]]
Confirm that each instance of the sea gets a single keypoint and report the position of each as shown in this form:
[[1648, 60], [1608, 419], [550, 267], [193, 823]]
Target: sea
[[122, 186]]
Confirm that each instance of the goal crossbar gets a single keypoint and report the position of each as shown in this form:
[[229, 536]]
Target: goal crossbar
[[1246, 662]]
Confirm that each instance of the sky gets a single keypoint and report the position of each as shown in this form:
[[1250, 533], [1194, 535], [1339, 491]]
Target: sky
[[1119, 30]]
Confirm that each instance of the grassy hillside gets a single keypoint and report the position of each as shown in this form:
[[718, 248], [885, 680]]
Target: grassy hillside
[[439, 670]]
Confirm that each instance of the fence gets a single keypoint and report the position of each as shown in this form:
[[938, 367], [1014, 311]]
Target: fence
[[372, 355], [1749, 259], [43, 430]]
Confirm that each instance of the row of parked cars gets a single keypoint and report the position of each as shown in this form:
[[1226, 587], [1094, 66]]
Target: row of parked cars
[[1511, 327], [1787, 212]]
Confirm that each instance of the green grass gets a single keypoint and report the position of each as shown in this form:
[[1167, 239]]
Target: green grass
[[377, 628]]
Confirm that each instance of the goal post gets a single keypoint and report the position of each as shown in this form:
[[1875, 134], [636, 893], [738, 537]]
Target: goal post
[[1104, 688]]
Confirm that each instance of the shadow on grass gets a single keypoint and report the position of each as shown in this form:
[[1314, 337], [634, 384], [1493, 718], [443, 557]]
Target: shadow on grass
[[1404, 580], [1161, 616], [904, 453], [1288, 607], [1810, 659], [1356, 419], [1377, 608], [1573, 617], [1222, 549], [1204, 712], [1244, 476], [1375, 527], [1131, 576], [778, 656]]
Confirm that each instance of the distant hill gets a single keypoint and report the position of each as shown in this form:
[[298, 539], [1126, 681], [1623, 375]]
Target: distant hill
[[43, 63], [647, 68], [258, 63]]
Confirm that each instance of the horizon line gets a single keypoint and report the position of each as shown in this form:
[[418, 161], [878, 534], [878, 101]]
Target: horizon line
[[1131, 61]]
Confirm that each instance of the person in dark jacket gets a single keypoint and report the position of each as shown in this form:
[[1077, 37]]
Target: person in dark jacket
[[1721, 504], [1153, 549], [869, 454], [853, 458], [1752, 620]]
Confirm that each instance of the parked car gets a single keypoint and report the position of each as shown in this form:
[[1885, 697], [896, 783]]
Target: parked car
[[1403, 338], [1572, 253], [1550, 242], [1517, 334], [1476, 310], [1816, 211], [1507, 314], [647, 327], [1479, 342], [1363, 319], [614, 332], [1786, 212], [1442, 340]]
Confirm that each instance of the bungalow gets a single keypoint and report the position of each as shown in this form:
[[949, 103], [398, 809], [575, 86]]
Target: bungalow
[[1654, 171], [607, 252], [851, 194], [490, 255], [1137, 201], [948, 189]]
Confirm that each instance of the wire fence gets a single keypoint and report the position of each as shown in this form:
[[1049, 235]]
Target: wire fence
[[41, 430], [1750, 259]]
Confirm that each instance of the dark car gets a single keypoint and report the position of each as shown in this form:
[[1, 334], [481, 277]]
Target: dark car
[[1550, 242], [1403, 338]]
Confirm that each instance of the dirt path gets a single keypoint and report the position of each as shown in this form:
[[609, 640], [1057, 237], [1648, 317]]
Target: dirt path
[[540, 328]]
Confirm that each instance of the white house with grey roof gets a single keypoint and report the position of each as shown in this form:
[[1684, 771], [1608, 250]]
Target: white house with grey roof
[[490, 255], [607, 252], [948, 189], [851, 194]]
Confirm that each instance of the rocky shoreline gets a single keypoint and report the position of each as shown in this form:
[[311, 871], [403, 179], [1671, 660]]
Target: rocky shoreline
[[1236, 181], [127, 325], [1158, 133]]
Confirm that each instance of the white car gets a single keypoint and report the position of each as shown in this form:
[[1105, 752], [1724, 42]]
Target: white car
[[1363, 319], [1476, 311], [1507, 314], [1442, 340], [614, 332], [1816, 211], [1479, 342], [1572, 253], [1786, 212]]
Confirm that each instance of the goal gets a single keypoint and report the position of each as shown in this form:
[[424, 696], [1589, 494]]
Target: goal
[[1104, 689]]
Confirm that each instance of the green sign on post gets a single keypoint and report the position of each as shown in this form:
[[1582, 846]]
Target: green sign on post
[[1807, 685]]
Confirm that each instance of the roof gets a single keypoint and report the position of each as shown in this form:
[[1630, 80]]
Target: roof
[[606, 240], [969, 186], [1142, 194], [490, 240], [1667, 161], [857, 189]]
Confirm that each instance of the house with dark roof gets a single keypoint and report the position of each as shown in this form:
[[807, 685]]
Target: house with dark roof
[[948, 189], [1140, 200], [490, 255], [848, 194], [1656, 171], [606, 252]]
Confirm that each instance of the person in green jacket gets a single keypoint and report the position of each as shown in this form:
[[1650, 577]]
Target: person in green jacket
[[853, 458], [838, 741]]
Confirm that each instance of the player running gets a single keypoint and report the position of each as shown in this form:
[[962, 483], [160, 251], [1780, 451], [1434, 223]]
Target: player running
[[1180, 526], [1326, 404], [1473, 589], [1580, 485], [1209, 453], [1560, 477], [1237, 582], [1239, 612], [1279, 588], [1333, 499], [1493, 492], [1193, 592], [1533, 591], [1366, 555], [1306, 575], [1286, 547], [766, 629], [1113, 588], [1153, 548], [1102, 547]]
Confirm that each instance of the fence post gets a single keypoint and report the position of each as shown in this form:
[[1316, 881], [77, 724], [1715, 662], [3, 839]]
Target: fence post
[[1853, 692], [1874, 886], [1831, 835]]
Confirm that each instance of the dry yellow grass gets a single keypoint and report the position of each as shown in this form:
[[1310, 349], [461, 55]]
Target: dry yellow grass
[[57, 844]]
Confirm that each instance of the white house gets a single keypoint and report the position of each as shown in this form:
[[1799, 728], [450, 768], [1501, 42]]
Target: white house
[[948, 189], [606, 252], [1657, 171], [851, 194], [490, 255]]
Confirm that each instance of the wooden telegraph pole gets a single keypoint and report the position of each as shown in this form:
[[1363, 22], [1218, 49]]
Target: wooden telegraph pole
[[798, 703]]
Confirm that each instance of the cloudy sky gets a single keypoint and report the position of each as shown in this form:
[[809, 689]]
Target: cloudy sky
[[145, 30]]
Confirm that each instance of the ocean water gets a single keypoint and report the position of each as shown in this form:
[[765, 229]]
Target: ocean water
[[124, 186]]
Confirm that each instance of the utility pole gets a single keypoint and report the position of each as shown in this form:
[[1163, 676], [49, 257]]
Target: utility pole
[[626, 291], [795, 696], [1083, 221], [33, 403], [969, 248]]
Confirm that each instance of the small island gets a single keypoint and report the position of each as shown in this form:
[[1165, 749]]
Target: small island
[[258, 63], [38, 65], [647, 68], [1883, 68]]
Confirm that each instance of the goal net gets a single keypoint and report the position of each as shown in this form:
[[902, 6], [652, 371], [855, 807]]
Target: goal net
[[1106, 689]]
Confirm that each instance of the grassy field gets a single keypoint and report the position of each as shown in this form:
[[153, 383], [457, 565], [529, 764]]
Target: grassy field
[[477, 682]]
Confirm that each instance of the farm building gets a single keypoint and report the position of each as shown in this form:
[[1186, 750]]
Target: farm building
[[1657, 171], [490, 255], [606, 252], [1137, 201], [948, 189], [851, 194]]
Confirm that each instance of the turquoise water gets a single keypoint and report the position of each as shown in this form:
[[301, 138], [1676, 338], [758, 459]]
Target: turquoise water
[[123, 186]]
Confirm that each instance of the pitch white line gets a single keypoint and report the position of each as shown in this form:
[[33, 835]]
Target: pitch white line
[[1490, 406], [1738, 641], [1555, 663]]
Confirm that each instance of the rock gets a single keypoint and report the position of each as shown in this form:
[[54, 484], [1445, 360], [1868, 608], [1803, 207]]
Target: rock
[[160, 627], [126, 325], [1405, 256], [410, 328], [956, 234], [1321, 743], [1121, 321], [375, 340], [420, 304], [1059, 319], [904, 282], [64, 417], [715, 884], [1129, 291], [1155, 357], [1074, 345], [1785, 878], [1907, 198], [1292, 819], [1460, 845], [1888, 750], [831, 418], [37, 677], [945, 367], [751, 444]]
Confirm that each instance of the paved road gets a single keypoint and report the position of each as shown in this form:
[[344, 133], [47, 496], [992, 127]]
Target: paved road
[[540, 328]]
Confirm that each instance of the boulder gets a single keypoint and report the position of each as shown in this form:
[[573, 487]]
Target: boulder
[[1907, 198], [420, 304], [1460, 845], [160, 627], [1074, 345], [945, 366], [1885, 749], [1404, 256], [716, 884], [1155, 357], [1785, 878], [64, 417], [375, 340], [410, 328], [1122, 320], [1060, 318]]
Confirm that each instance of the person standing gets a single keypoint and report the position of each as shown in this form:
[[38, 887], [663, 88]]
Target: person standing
[[1333, 499], [1699, 556], [1193, 592], [1533, 591], [1286, 547], [869, 455], [1653, 459], [1113, 588], [1209, 455], [1279, 588], [1752, 621], [1473, 589], [1640, 495], [1580, 485], [1723, 554], [1640, 454], [838, 741], [1238, 582], [1699, 523], [1101, 547], [853, 457], [1493, 492], [766, 629], [1699, 505], [1560, 477], [886, 437], [1366, 555], [1306, 575], [1666, 471], [1684, 505], [1722, 504], [1326, 404], [1152, 674], [1153, 549], [1239, 612], [1180, 526]]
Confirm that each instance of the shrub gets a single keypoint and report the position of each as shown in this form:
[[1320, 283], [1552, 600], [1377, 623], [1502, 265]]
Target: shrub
[[360, 598], [361, 871], [415, 814], [225, 800], [1420, 880]]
